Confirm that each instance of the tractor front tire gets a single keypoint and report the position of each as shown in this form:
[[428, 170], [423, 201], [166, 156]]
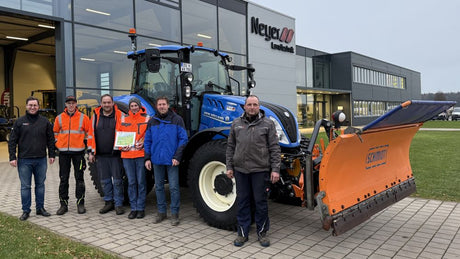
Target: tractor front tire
[[213, 193]]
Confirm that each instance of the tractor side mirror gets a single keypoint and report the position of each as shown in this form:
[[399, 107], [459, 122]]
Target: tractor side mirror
[[152, 59]]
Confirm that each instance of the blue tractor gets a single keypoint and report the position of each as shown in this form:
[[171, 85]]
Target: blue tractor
[[196, 80]]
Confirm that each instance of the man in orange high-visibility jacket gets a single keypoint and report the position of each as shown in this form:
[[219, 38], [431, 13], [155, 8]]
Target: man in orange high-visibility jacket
[[133, 156], [70, 130]]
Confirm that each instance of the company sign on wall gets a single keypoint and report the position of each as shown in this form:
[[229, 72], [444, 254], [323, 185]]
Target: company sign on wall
[[277, 36]]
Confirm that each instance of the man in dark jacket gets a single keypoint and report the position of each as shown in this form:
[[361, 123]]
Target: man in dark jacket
[[101, 140], [32, 134], [253, 158], [164, 142]]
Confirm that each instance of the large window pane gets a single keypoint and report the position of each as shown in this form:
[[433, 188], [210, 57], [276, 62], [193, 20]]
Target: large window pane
[[157, 21], [100, 51], [68, 54], [300, 71], [199, 23], [116, 15], [232, 32], [321, 70], [59, 8], [309, 67]]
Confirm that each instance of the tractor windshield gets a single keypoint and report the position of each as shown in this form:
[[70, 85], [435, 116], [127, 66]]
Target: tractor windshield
[[163, 83], [209, 73]]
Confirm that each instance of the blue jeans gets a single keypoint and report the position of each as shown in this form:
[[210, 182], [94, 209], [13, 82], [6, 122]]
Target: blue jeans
[[111, 168], [173, 178], [134, 169], [37, 167]]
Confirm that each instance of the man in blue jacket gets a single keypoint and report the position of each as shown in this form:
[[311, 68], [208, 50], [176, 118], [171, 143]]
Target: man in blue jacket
[[164, 142]]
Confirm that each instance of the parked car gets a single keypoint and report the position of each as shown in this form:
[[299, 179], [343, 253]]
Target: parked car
[[456, 114], [442, 116]]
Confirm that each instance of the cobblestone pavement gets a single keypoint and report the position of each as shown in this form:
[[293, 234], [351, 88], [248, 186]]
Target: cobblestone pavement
[[412, 228]]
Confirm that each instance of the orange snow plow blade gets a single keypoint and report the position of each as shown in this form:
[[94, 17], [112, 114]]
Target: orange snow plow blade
[[363, 172], [361, 175]]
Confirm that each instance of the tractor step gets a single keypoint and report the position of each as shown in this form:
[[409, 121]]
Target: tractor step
[[353, 216]]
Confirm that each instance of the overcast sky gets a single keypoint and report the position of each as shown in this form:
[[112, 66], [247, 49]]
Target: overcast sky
[[421, 35]]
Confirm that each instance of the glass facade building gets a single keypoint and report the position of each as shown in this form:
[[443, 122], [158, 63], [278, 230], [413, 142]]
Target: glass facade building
[[91, 42]]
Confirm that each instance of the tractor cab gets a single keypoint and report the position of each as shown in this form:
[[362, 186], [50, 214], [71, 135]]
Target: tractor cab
[[184, 74]]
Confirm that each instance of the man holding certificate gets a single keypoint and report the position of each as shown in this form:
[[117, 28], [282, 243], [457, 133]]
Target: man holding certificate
[[133, 127], [101, 140], [165, 140]]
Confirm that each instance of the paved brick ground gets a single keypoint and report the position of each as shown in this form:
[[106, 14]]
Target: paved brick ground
[[412, 228]]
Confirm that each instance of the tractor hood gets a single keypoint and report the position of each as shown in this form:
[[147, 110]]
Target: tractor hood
[[221, 110]]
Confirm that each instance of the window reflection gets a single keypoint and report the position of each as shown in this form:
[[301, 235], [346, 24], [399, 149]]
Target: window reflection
[[58, 8], [197, 25], [232, 32], [157, 21], [100, 51], [116, 15]]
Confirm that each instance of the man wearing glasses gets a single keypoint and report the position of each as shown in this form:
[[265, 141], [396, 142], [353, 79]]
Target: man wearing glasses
[[31, 135]]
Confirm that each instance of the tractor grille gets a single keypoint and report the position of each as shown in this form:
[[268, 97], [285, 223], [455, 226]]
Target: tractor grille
[[289, 123]]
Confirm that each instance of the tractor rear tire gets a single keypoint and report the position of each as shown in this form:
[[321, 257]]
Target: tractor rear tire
[[213, 193], [95, 178]]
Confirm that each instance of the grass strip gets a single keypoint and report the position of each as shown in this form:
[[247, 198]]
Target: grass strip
[[435, 160], [22, 239]]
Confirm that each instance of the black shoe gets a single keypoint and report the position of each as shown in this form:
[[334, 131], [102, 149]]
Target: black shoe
[[132, 214], [159, 218], [174, 219], [240, 240], [81, 208], [62, 210], [24, 216], [119, 210], [107, 207], [43, 212], [263, 240], [140, 214]]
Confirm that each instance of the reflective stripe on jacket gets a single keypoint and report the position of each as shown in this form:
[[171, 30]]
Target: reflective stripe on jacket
[[95, 121], [134, 123], [70, 131]]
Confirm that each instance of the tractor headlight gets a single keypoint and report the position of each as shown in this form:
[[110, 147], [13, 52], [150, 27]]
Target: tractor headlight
[[279, 131], [189, 77], [188, 91]]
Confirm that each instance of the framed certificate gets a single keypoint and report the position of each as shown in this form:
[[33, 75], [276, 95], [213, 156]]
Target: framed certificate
[[124, 139]]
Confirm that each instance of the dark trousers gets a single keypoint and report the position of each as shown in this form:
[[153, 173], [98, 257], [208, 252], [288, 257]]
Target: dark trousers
[[252, 186], [110, 174], [79, 166]]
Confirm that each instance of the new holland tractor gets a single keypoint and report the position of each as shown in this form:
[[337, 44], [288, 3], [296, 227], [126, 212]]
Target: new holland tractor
[[360, 172]]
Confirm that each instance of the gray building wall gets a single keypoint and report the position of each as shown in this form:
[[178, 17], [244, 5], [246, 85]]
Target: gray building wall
[[366, 92], [275, 70]]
